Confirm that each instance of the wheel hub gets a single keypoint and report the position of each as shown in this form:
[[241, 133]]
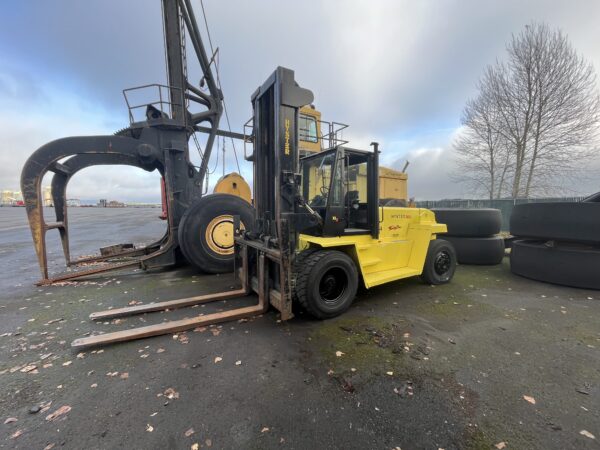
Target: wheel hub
[[332, 285], [219, 235], [442, 262]]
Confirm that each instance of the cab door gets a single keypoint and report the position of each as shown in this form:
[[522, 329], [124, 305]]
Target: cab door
[[335, 215]]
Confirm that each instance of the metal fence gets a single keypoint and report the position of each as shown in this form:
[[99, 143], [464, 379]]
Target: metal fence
[[505, 205]]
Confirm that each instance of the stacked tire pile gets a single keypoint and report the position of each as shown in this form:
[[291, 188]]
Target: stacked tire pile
[[557, 242], [474, 234]]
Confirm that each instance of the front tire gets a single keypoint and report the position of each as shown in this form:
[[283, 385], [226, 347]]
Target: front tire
[[206, 231], [440, 263], [326, 282]]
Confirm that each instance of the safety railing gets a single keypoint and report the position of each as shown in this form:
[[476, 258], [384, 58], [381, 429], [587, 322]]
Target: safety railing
[[164, 103]]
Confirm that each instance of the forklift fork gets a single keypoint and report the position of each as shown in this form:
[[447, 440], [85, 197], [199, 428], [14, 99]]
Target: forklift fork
[[258, 284]]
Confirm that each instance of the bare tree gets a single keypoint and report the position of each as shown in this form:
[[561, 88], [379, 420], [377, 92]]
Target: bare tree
[[483, 157], [546, 113]]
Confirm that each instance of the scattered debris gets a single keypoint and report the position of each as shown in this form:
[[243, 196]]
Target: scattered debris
[[264, 430], [347, 385], [587, 434], [189, 432], [16, 434], [218, 359], [171, 393], [28, 368], [149, 428], [10, 420], [529, 399], [238, 363], [67, 363], [500, 445], [124, 375], [195, 446], [59, 412], [338, 353], [35, 409]]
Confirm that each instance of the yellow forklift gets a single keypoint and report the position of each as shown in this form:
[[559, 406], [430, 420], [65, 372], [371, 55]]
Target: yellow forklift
[[318, 230]]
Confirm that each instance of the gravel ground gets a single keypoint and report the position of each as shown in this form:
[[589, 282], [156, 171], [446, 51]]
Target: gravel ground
[[488, 360]]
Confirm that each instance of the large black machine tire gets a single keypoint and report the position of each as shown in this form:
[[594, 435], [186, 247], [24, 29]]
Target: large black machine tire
[[326, 282], [440, 263], [206, 231], [565, 221], [478, 250], [466, 222], [573, 265], [594, 198]]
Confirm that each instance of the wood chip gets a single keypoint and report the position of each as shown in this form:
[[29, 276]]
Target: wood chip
[[264, 430], [338, 353], [587, 434], [16, 434], [124, 375], [10, 420], [59, 412], [529, 399], [189, 432], [500, 445], [218, 359], [149, 428], [28, 368]]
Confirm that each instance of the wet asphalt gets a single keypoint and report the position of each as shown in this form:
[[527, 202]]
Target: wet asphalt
[[487, 361]]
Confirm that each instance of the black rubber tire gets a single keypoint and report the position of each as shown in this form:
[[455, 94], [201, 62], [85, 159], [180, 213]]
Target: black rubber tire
[[314, 267], [565, 221], [193, 225], [436, 249], [573, 265], [487, 251], [467, 222], [594, 198]]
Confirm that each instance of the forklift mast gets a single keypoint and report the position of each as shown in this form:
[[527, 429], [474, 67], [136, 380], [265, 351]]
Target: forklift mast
[[275, 105]]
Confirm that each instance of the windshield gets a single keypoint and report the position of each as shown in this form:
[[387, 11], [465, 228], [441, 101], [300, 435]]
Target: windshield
[[316, 178]]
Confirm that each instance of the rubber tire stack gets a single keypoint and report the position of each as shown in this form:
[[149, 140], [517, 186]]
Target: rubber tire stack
[[474, 234], [557, 243]]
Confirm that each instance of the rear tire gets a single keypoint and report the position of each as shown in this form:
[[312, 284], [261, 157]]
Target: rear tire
[[561, 221], [206, 231], [326, 282], [467, 222], [440, 263], [478, 251], [564, 264]]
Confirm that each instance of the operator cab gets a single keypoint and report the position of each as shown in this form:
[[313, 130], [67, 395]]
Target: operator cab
[[341, 186]]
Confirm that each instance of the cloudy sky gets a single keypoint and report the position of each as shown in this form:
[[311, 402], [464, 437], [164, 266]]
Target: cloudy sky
[[398, 72]]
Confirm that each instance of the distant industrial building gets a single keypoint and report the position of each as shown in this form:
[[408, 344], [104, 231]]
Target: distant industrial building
[[10, 198], [73, 202], [47, 196]]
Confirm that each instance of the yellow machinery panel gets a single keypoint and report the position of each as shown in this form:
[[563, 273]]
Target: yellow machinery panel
[[393, 184], [399, 252], [234, 184]]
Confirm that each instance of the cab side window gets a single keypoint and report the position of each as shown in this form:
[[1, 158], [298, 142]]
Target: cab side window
[[307, 129]]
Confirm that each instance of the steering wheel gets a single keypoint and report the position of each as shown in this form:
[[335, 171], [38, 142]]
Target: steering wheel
[[324, 191]]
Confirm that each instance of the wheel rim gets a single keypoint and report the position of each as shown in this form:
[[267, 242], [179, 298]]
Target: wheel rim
[[219, 235], [333, 284], [442, 263]]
